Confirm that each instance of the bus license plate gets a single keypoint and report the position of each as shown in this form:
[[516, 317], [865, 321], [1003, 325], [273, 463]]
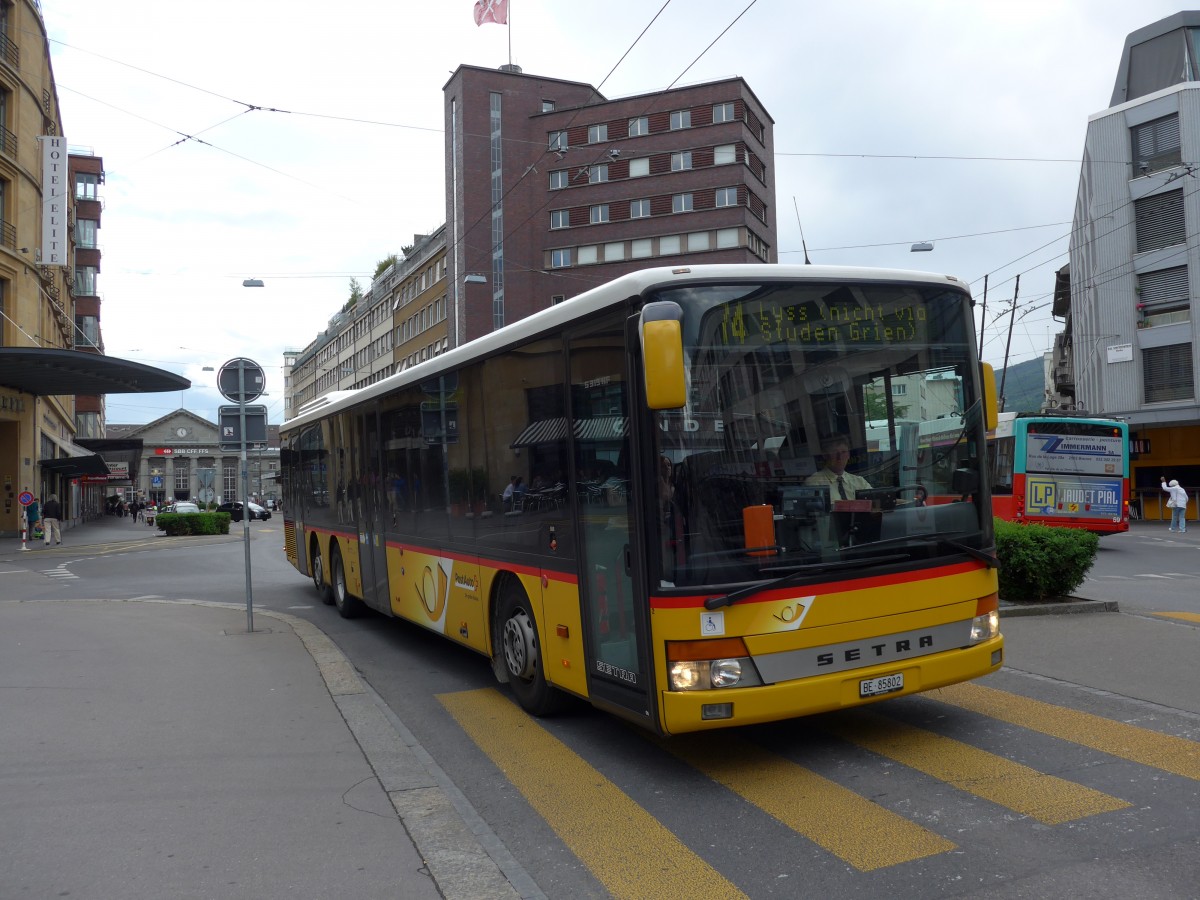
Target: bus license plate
[[885, 684]]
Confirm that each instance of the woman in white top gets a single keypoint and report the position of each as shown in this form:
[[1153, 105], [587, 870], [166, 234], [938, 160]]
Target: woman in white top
[[1177, 502]]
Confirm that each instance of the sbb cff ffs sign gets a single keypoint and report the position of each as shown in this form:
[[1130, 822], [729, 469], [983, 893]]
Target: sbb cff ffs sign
[[229, 421]]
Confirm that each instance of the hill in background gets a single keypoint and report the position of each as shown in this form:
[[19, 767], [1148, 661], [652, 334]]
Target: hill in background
[[1024, 386]]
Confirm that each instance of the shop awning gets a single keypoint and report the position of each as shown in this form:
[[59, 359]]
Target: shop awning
[[543, 431], [74, 466], [47, 372]]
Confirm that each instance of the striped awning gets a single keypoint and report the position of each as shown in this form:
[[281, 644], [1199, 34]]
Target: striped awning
[[543, 431], [602, 428]]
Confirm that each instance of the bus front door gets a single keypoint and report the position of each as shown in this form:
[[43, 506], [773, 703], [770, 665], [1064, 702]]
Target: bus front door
[[613, 607], [372, 537]]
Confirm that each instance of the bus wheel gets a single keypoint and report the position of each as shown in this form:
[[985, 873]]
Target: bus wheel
[[522, 658], [347, 606], [318, 574]]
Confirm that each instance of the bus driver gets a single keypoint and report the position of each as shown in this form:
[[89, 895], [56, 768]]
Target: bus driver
[[842, 485]]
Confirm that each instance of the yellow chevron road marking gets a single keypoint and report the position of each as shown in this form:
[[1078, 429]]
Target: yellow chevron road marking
[[1140, 745], [862, 833], [595, 819], [1046, 798]]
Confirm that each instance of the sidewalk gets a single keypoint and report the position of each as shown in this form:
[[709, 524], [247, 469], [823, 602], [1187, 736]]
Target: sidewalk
[[154, 749]]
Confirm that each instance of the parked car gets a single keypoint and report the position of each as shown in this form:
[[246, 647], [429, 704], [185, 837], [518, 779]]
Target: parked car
[[234, 508], [181, 506]]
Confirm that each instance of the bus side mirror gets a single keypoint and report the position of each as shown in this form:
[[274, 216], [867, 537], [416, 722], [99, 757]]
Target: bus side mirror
[[988, 378], [662, 355]]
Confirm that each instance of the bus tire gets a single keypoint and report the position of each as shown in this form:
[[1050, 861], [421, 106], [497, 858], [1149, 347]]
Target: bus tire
[[348, 606], [520, 654], [318, 573]]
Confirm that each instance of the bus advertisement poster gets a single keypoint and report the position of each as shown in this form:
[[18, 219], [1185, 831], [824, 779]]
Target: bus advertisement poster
[[1048, 495], [1091, 455]]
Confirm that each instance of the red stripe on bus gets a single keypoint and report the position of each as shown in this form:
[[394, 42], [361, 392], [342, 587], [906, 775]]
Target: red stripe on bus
[[826, 589]]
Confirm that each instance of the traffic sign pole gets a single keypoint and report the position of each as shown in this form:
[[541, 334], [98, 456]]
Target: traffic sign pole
[[245, 494], [241, 380]]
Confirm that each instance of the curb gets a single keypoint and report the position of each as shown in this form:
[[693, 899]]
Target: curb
[[1070, 606]]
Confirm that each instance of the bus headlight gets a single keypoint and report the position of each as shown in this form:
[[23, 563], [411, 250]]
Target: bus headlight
[[725, 672], [986, 624], [706, 665], [707, 674]]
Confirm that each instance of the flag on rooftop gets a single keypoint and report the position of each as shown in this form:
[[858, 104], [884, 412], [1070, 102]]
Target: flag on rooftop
[[491, 11]]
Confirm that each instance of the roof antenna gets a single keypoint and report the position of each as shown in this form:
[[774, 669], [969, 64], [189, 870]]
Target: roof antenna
[[807, 261]]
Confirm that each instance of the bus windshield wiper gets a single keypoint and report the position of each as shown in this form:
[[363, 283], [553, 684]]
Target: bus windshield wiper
[[946, 538], [794, 573]]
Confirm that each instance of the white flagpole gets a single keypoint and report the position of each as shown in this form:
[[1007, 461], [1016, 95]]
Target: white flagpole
[[509, 27]]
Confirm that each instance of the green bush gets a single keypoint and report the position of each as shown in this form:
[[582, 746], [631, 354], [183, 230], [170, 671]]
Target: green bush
[[1040, 561], [175, 524]]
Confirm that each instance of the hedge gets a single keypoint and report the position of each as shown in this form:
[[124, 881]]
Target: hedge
[[1038, 562], [193, 523]]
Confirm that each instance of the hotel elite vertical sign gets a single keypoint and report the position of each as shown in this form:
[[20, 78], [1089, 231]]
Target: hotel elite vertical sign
[[54, 200]]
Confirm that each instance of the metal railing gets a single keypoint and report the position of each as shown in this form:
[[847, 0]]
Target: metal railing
[[10, 52], [8, 235]]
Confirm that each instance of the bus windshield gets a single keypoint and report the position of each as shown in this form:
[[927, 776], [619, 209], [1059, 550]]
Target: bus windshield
[[824, 422]]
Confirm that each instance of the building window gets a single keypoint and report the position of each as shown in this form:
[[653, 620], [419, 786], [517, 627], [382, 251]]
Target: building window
[[641, 248], [598, 214], [87, 186], [614, 251], [1163, 297], [681, 118], [639, 126], [726, 238], [639, 168], [597, 134], [639, 209], [85, 234], [598, 173], [587, 255], [547, 106], [558, 180], [1156, 145], [557, 299], [681, 161], [724, 112], [698, 241], [558, 140], [87, 331], [182, 478], [899, 390], [85, 281], [560, 259], [1167, 373], [726, 196], [681, 203], [229, 480], [724, 154], [668, 245], [1159, 221], [560, 218]]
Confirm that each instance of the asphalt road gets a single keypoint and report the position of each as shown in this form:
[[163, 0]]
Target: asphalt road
[[1073, 772]]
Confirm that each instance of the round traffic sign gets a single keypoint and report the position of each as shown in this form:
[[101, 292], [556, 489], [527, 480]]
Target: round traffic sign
[[24, 498], [238, 372]]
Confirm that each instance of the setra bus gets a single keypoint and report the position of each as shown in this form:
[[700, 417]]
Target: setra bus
[[1062, 468], [624, 498]]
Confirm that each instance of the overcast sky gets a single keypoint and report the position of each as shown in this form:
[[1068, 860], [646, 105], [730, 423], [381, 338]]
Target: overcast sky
[[956, 122]]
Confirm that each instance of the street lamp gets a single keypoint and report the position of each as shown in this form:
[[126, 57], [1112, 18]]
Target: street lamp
[[921, 247]]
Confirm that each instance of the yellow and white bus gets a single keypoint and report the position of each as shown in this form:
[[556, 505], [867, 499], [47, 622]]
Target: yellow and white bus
[[624, 497]]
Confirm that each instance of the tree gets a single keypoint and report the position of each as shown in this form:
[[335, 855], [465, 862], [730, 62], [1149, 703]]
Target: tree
[[384, 264], [876, 407]]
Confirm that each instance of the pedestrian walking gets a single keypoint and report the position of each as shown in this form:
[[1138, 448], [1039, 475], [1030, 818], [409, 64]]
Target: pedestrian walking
[[51, 513], [1177, 502], [32, 516]]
